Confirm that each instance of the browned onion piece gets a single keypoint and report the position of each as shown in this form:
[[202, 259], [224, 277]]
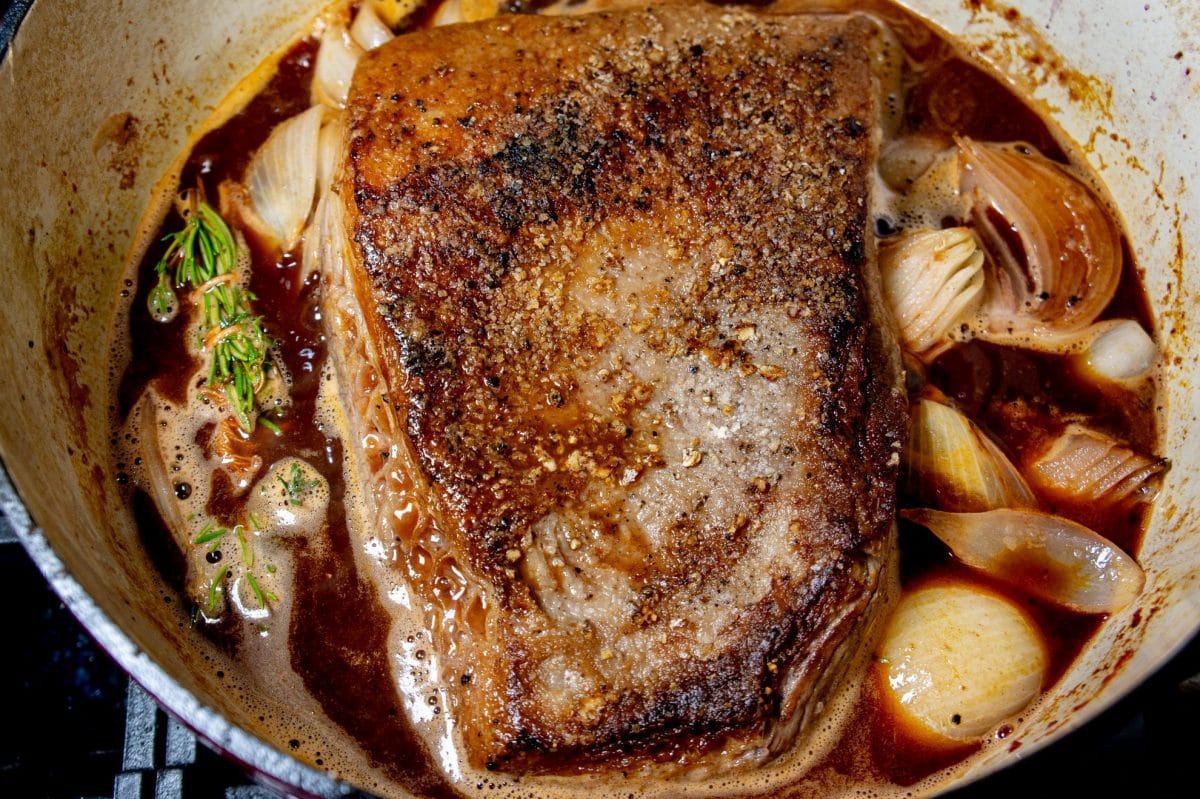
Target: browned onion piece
[[1048, 556], [1055, 253], [932, 281], [1088, 465], [953, 464]]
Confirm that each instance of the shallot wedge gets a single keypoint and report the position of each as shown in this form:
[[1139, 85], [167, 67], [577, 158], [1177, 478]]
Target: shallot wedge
[[932, 280], [1048, 556], [368, 31], [336, 60], [282, 177], [959, 659], [1055, 254], [953, 464], [1087, 465]]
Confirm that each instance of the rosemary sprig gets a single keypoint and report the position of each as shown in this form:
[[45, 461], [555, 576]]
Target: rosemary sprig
[[203, 256], [211, 534], [244, 546], [208, 533]]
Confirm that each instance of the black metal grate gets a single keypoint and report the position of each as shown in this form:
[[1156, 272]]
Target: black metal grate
[[161, 759], [73, 726]]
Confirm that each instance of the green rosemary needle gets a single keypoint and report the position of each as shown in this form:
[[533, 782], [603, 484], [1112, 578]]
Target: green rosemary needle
[[295, 487], [203, 256], [215, 586]]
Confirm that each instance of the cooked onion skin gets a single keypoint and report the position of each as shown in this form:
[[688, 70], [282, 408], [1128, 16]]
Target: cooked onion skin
[[1047, 556], [1054, 253], [959, 659], [953, 464]]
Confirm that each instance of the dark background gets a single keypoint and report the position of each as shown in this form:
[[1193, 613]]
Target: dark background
[[63, 710], [62, 720]]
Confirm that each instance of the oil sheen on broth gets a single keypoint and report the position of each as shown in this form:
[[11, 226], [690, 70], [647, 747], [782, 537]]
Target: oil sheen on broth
[[357, 649]]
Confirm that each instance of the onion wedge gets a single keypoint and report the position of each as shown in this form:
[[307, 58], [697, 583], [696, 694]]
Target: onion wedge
[[1088, 466], [959, 659], [932, 281], [1055, 255], [368, 31], [1048, 556], [953, 464], [337, 58], [282, 177]]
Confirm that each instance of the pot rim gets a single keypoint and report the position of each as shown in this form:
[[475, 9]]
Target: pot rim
[[260, 758], [257, 756], [263, 761]]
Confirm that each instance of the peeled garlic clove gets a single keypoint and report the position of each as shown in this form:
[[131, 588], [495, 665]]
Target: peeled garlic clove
[[368, 31], [292, 499], [1067, 262], [337, 58], [932, 281], [1048, 556], [282, 177], [953, 464], [959, 660], [1123, 352], [1086, 465]]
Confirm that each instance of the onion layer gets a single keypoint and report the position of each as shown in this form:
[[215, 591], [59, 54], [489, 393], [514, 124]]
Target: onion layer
[[336, 60], [1090, 466], [959, 660], [1055, 254], [368, 31], [282, 178], [932, 281], [1048, 556], [953, 464]]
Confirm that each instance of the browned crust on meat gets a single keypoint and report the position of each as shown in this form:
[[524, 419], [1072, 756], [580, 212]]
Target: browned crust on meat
[[486, 162]]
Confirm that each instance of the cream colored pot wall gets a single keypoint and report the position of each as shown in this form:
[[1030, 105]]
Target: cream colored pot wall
[[95, 98]]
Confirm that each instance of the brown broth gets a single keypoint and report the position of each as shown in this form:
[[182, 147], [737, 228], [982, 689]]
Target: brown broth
[[338, 634]]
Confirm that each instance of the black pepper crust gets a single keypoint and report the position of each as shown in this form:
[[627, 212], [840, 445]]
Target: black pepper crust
[[508, 183]]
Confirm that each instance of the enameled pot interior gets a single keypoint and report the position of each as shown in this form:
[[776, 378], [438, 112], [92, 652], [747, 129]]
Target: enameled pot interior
[[97, 99]]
